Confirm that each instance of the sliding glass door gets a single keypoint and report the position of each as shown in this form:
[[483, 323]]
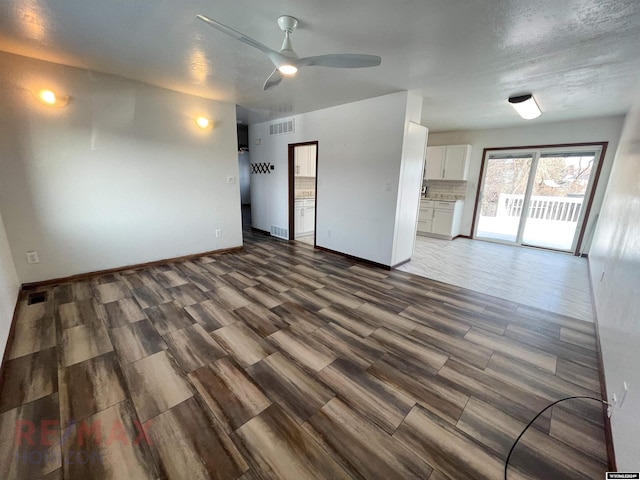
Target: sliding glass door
[[557, 199], [536, 197], [502, 199]]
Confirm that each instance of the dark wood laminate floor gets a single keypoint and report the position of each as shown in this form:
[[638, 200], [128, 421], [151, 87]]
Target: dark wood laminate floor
[[284, 362]]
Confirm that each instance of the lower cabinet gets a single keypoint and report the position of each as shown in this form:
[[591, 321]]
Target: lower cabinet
[[308, 222], [298, 218], [440, 218], [304, 216], [442, 222]]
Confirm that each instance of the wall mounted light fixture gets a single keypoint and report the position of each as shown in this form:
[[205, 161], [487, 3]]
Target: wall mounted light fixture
[[526, 106], [52, 99], [203, 122]]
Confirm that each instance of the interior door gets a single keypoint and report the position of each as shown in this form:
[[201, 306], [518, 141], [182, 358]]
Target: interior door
[[303, 159]]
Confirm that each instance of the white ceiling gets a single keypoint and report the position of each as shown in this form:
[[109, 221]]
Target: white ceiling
[[580, 58]]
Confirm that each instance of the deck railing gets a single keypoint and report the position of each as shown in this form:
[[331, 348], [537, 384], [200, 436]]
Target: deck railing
[[562, 209]]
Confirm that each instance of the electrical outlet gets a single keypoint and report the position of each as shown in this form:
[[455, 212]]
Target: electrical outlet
[[32, 257], [218, 233], [618, 399], [328, 233], [231, 180]]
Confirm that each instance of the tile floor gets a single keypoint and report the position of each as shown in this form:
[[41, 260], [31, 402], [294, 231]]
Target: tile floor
[[551, 281], [308, 239]]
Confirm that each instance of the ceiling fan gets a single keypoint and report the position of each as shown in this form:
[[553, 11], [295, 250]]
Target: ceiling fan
[[286, 60]]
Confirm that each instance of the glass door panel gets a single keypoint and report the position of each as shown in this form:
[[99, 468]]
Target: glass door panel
[[557, 199], [503, 197]]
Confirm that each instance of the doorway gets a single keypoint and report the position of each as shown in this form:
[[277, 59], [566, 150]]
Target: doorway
[[537, 196], [303, 168]]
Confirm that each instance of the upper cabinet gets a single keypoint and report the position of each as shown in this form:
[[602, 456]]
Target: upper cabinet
[[305, 161], [447, 163]]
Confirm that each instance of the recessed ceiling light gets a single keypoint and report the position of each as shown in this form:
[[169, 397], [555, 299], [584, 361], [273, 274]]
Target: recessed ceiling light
[[202, 122], [526, 106]]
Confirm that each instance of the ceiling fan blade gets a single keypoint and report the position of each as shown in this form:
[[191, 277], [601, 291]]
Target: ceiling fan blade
[[274, 79], [340, 60], [276, 57]]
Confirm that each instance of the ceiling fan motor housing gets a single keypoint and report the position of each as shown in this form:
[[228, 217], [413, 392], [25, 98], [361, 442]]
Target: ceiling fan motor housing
[[287, 23]]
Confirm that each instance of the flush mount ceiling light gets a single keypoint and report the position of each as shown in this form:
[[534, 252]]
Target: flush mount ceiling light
[[51, 99], [203, 122], [526, 106]]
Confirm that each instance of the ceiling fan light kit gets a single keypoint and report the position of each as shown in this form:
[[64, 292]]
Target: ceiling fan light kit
[[286, 61], [526, 106]]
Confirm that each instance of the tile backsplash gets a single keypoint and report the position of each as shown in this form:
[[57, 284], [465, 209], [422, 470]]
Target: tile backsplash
[[305, 183], [448, 189]]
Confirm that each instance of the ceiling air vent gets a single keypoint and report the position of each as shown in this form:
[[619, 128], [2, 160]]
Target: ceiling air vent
[[288, 126]]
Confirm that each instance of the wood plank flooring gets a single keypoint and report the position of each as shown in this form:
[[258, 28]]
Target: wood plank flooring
[[283, 362]]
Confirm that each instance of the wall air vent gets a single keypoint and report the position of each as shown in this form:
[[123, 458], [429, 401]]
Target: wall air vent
[[288, 126], [280, 232]]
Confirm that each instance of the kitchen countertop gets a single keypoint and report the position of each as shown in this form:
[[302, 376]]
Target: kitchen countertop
[[444, 198]]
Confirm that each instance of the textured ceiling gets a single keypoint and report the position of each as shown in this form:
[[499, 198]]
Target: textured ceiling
[[580, 58]]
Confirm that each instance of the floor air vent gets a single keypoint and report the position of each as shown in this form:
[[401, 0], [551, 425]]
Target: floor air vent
[[280, 232], [36, 297], [288, 126]]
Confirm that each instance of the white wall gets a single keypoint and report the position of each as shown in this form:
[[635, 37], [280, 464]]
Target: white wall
[[9, 287], [616, 252], [119, 176], [411, 169], [605, 129], [359, 155]]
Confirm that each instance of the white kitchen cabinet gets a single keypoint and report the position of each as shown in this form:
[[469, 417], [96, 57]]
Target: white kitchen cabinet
[[309, 212], [425, 220], [304, 216], [449, 162], [434, 163], [298, 218], [301, 157], [440, 218], [442, 222], [311, 161], [305, 161]]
